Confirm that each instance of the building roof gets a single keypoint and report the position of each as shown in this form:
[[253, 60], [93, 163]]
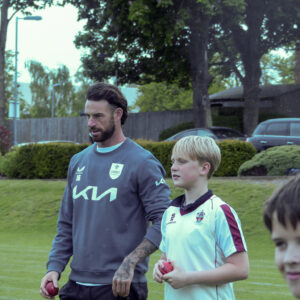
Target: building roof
[[267, 92]]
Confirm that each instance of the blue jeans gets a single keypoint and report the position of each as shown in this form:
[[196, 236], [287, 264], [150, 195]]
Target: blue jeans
[[73, 291]]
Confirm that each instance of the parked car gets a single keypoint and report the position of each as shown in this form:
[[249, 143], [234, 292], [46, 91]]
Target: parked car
[[276, 132], [217, 133]]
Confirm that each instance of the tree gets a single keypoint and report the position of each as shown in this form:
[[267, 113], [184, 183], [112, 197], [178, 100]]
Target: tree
[[144, 41], [15, 6], [263, 26], [8, 77], [67, 101], [83, 83], [3, 33], [161, 96], [277, 68]]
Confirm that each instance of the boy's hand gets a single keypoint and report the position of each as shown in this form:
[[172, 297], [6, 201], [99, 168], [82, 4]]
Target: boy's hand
[[157, 275], [176, 278]]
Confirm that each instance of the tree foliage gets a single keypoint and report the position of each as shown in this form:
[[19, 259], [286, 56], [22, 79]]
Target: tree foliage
[[161, 96], [47, 85], [278, 68], [263, 26], [174, 41], [143, 41], [12, 6]]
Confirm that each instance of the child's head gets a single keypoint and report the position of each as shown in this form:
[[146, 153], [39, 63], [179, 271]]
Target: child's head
[[285, 203], [282, 218], [202, 149]]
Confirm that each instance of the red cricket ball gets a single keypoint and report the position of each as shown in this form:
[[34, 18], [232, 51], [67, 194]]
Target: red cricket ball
[[166, 268], [51, 289]]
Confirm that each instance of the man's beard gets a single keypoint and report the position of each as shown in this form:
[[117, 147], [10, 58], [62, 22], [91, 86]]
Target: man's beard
[[107, 133]]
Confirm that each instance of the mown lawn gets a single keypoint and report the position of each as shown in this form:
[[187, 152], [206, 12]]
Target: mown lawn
[[28, 214]]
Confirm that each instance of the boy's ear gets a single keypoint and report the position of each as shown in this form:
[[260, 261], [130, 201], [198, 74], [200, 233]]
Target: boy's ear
[[204, 168]]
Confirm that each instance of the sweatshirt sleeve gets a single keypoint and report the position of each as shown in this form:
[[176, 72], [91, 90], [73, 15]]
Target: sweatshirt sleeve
[[155, 195], [62, 246]]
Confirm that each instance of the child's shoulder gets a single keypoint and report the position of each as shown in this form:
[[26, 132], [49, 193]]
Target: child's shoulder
[[218, 203]]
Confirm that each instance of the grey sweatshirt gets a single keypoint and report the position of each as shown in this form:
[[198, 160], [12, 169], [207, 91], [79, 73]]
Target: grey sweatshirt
[[108, 205]]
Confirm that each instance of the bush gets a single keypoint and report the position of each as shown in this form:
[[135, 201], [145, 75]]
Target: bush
[[275, 161], [234, 154], [50, 161], [8, 164], [231, 121], [39, 160]]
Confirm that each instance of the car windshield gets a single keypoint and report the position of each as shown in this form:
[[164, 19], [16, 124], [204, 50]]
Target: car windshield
[[226, 133]]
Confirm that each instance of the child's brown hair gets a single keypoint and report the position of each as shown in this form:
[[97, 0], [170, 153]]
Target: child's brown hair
[[285, 202]]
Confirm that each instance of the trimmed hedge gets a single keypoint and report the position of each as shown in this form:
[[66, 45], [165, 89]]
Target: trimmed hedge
[[234, 153], [275, 161], [50, 161], [39, 160]]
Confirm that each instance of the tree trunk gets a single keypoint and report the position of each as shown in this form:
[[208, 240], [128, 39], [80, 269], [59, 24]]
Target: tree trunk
[[251, 61], [251, 108], [3, 34], [248, 44], [198, 59]]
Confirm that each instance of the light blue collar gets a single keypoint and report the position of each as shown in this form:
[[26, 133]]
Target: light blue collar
[[108, 149]]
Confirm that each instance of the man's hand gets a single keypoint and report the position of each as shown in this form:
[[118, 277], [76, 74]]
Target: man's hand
[[51, 276], [122, 278]]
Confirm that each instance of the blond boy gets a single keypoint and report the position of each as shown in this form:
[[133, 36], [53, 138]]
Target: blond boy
[[201, 234]]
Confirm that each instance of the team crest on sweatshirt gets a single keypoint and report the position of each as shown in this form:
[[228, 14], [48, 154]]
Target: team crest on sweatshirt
[[115, 170]]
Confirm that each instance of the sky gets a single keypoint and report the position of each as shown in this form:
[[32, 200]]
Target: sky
[[49, 41]]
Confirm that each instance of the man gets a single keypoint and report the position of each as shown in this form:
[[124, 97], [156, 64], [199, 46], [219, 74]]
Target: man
[[115, 189]]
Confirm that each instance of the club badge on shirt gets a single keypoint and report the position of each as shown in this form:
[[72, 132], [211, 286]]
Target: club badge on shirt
[[200, 216], [115, 170]]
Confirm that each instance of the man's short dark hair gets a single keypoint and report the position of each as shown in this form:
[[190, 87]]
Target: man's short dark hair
[[285, 202], [111, 93]]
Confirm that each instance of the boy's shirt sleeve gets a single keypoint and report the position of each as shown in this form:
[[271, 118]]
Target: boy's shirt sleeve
[[155, 195], [229, 234]]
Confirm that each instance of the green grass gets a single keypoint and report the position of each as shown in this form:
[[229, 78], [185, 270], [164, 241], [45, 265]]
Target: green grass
[[28, 215]]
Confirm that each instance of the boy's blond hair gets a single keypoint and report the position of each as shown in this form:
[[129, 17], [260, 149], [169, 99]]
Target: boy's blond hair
[[203, 149]]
